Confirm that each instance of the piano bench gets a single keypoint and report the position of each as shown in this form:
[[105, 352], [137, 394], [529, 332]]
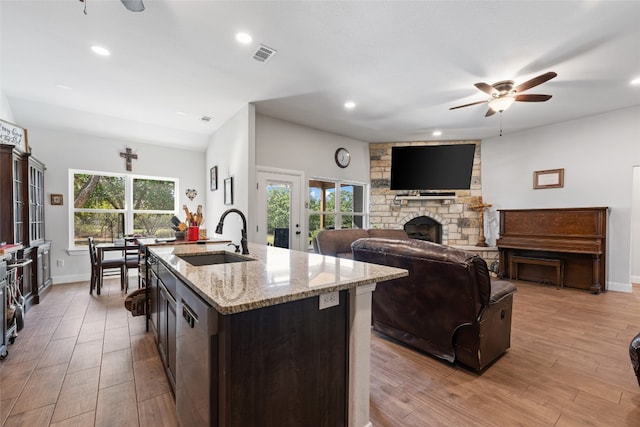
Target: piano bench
[[556, 263]]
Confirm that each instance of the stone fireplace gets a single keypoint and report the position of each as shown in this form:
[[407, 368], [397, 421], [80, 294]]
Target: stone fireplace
[[459, 224]]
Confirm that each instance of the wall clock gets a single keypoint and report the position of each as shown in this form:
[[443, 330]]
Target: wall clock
[[343, 158]]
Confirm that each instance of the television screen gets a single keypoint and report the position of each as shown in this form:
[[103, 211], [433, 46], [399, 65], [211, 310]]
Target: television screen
[[432, 167]]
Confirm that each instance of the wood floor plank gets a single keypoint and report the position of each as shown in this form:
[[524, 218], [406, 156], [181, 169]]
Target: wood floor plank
[[159, 411], [84, 420], [79, 394], [42, 389], [150, 379], [38, 417], [57, 352], [14, 377], [116, 339], [117, 406], [116, 368], [86, 355]]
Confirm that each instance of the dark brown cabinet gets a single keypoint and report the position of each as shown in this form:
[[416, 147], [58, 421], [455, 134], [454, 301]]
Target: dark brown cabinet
[[22, 202], [163, 316]]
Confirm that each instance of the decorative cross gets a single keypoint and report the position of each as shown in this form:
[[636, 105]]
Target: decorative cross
[[128, 154], [480, 206]]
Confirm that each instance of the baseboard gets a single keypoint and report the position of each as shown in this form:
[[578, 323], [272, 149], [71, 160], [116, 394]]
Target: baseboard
[[635, 279], [619, 287], [73, 278]]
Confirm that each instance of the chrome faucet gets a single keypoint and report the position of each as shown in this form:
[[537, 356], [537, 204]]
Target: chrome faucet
[[243, 239]]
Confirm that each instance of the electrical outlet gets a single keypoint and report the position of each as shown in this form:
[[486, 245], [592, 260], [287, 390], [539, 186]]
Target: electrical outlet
[[329, 300], [60, 263]]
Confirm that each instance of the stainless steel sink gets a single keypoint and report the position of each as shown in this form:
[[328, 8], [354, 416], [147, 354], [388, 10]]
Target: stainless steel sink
[[212, 258]]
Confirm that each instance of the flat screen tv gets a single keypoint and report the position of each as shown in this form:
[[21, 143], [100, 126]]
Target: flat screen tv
[[432, 167]]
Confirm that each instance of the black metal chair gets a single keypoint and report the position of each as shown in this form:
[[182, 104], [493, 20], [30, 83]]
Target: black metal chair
[[101, 267]]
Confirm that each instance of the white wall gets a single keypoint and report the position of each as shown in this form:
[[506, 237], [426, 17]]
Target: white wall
[[61, 151], [635, 227], [597, 154], [6, 113], [286, 145], [231, 148]]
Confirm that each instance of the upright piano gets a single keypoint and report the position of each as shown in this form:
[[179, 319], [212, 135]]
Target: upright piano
[[575, 236]]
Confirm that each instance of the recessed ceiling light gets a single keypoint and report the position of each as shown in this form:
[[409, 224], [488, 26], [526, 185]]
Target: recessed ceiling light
[[243, 38], [636, 81], [99, 50], [61, 86], [181, 113], [349, 105], [437, 133]]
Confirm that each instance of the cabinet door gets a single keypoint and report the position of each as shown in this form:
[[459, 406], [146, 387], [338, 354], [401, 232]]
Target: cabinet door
[[152, 284], [162, 322], [171, 338]]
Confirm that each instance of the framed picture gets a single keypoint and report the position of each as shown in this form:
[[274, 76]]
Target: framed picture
[[213, 177], [15, 135], [56, 199], [228, 191], [552, 178]]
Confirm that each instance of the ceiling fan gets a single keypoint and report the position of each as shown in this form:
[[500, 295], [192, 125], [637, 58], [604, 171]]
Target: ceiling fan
[[503, 94], [132, 5]]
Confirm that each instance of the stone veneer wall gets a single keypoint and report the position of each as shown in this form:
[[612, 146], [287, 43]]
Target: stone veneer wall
[[460, 223]]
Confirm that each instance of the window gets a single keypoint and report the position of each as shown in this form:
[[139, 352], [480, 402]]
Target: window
[[325, 213], [110, 206]]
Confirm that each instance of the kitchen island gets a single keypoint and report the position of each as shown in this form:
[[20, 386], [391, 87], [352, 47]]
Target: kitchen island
[[276, 337]]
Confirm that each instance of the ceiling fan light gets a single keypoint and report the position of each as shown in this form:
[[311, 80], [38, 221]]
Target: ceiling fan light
[[502, 103]]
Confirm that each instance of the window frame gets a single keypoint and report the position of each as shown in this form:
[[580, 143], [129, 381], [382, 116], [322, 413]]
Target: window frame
[[337, 212], [128, 211]]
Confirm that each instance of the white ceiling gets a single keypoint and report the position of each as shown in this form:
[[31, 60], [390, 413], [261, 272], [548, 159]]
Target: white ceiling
[[404, 64]]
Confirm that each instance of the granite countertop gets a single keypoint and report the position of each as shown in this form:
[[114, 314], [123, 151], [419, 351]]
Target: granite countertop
[[274, 276]]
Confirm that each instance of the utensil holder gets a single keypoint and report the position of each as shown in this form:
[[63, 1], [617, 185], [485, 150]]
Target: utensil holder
[[194, 233]]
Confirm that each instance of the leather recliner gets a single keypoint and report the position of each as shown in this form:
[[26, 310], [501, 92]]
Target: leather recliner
[[634, 353], [447, 306]]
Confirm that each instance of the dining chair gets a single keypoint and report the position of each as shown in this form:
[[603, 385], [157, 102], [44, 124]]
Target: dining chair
[[132, 255], [101, 266]]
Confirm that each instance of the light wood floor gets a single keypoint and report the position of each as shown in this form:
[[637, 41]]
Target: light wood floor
[[83, 361]]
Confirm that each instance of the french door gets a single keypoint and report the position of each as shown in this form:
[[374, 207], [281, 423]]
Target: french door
[[279, 206]]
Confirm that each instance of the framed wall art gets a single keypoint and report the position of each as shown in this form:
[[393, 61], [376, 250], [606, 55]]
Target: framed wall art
[[228, 191], [552, 178], [57, 199], [213, 177]]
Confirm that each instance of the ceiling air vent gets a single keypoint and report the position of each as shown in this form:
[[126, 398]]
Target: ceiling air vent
[[263, 53]]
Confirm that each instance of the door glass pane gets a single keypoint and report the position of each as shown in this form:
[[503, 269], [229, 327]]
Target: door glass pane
[[278, 214]]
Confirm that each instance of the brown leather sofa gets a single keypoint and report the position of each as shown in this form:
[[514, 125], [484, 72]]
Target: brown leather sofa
[[634, 353], [447, 306], [338, 242]]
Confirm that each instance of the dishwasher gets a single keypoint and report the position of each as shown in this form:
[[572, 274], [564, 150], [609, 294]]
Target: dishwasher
[[196, 379]]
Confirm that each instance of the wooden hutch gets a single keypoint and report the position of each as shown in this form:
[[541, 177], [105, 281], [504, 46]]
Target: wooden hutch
[[22, 218], [572, 241]]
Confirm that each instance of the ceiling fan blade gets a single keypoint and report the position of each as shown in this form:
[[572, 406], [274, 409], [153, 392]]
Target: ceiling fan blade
[[486, 88], [490, 112], [532, 98], [535, 81], [133, 5], [468, 105]]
